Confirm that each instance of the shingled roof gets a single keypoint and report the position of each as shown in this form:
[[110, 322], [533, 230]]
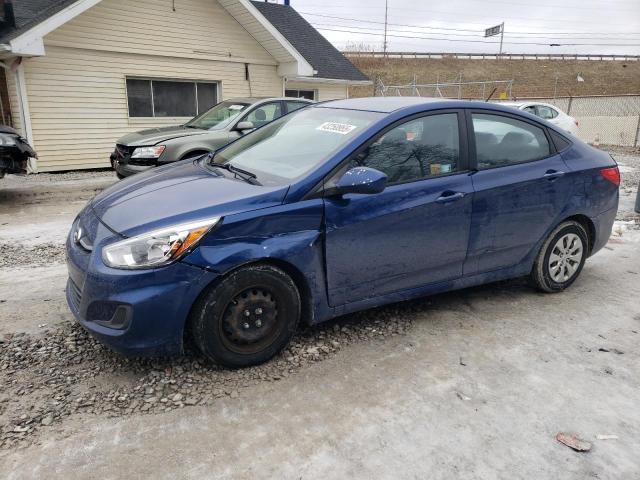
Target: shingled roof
[[28, 14], [317, 50]]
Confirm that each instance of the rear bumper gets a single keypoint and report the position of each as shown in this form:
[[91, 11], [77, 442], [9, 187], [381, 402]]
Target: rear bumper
[[603, 225], [134, 312]]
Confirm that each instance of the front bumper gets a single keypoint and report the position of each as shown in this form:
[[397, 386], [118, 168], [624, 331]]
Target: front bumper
[[134, 312], [128, 169]]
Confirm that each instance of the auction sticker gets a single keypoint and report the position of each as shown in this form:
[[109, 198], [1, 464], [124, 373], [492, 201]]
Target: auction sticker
[[335, 127]]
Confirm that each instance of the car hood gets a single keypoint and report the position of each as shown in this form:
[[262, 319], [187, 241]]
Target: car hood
[[180, 192], [152, 136]]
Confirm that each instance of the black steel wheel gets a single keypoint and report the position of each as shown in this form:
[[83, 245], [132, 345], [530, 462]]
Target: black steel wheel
[[246, 318]]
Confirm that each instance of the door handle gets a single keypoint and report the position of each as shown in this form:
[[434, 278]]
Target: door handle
[[448, 197], [552, 175]]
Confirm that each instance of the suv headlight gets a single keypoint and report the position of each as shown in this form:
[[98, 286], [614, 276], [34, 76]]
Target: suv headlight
[[158, 247], [148, 152]]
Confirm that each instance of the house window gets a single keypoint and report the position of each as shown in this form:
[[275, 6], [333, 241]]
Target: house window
[[308, 94], [170, 98]]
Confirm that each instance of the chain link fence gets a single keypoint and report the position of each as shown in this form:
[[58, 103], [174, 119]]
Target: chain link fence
[[496, 89], [602, 119], [607, 120]]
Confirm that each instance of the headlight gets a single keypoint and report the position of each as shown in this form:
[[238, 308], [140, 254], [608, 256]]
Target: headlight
[[148, 152], [157, 248], [7, 140]]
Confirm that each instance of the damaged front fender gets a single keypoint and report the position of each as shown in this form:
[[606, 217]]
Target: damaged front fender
[[288, 235]]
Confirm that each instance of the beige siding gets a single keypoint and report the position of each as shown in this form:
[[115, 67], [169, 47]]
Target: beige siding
[[78, 103], [197, 29], [77, 91], [324, 91]]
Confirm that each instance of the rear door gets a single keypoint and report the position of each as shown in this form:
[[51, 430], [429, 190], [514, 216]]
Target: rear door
[[416, 231], [520, 188]]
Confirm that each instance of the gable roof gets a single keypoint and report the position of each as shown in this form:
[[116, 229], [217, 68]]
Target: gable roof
[[317, 50], [29, 13], [298, 47]]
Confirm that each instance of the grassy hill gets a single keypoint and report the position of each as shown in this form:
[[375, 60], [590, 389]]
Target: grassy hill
[[532, 78]]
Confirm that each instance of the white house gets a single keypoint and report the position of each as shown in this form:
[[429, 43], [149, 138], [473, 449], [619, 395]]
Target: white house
[[74, 70]]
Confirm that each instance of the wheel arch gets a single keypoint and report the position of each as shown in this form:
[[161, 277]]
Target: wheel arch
[[193, 152], [298, 278], [588, 225]]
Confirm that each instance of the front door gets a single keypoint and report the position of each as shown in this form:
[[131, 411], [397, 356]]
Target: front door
[[416, 231]]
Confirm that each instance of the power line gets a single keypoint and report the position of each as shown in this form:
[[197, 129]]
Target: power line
[[476, 35], [458, 15], [485, 42], [462, 29]]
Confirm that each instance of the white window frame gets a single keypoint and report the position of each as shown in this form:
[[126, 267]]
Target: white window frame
[[217, 83], [298, 90]]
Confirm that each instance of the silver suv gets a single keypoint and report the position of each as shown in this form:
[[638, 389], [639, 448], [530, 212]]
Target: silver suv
[[222, 124]]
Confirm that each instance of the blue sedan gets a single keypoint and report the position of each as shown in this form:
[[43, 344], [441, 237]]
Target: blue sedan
[[338, 207]]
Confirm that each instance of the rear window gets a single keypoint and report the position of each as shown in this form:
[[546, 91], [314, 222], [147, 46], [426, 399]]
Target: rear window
[[503, 141]]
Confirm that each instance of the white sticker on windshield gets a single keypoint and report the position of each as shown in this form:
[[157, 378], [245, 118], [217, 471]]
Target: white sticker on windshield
[[335, 127], [236, 107]]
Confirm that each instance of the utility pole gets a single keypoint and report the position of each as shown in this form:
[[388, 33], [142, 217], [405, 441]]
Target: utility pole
[[501, 36], [386, 16]]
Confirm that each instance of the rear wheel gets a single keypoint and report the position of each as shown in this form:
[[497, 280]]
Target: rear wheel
[[561, 257], [248, 317]]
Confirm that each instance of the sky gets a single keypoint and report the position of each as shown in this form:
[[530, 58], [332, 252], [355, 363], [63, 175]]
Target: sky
[[457, 26]]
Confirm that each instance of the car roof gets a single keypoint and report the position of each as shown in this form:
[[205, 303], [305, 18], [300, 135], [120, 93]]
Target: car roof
[[381, 104], [394, 104], [530, 102], [252, 100]]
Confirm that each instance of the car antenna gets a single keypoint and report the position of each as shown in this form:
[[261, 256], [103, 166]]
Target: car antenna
[[491, 94]]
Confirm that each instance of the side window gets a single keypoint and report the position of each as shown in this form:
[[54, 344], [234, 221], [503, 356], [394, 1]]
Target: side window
[[546, 112], [420, 148], [293, 106], [502, 141], [264, 114], [530, 109]]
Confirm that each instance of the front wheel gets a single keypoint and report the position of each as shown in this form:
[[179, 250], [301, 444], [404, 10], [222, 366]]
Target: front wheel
[[248, 317], [561, 257]]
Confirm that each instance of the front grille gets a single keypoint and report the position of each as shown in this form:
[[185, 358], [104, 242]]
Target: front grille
[[123, 151], [75, 295]]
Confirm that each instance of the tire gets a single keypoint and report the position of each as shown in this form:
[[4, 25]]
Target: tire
[[569, 244], [247, 318]]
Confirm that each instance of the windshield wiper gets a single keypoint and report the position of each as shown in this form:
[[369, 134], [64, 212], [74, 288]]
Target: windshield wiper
[[238, 172], [191, 126]]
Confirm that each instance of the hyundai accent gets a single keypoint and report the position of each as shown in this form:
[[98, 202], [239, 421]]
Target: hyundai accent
[[335, 208]]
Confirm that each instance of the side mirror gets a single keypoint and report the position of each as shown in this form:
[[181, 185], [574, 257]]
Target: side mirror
[[363, 180], [244, 126]]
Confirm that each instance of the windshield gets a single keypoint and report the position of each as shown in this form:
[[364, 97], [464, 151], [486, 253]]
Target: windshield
[[219, 116], [293, 145]]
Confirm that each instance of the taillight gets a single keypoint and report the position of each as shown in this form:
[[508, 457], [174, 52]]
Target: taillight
[[612, 174]]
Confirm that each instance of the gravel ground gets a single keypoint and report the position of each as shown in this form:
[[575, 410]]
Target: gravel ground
[[37, 255], [55, 177], [61, 373], [65, 372]]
